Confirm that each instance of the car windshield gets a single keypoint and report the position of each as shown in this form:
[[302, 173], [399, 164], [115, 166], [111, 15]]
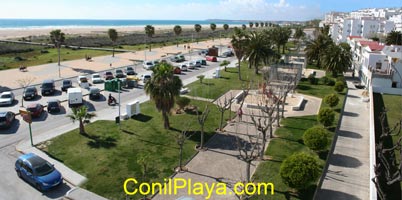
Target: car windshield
[[2, 119], [6, 96], [31, 109], [47, 85], [119, 71], [129, 68], [44, 169], [66, 82], [30, 90], [52, 104], [83, 79], [109, 73]]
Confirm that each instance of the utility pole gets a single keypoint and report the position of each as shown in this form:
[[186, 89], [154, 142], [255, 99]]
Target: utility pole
[[118, 84]]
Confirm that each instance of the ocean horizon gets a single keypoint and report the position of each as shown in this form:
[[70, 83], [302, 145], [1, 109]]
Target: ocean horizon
[[45, 23]]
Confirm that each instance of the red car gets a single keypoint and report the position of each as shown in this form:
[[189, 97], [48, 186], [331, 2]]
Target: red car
[[108, 75], [177, 70], [211, 58], [36, 109]]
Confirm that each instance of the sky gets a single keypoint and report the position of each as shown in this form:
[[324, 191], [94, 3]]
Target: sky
[[298, 10]]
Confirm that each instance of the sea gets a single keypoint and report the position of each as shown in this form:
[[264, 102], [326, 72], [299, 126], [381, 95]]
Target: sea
[[45, 23]]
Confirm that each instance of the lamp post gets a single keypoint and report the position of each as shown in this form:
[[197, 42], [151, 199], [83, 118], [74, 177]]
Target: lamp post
[[118, 85]]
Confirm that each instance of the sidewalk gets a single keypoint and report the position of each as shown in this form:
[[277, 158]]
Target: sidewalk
[[347, 176]]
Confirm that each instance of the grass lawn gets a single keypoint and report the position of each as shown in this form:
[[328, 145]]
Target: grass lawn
[[229, 80], [288, 141], [35, 57], [107, 157]]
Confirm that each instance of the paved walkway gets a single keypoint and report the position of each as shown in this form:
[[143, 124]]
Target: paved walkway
[[347, 176]]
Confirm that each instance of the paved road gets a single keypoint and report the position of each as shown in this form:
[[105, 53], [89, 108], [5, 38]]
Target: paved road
[[11, 187]]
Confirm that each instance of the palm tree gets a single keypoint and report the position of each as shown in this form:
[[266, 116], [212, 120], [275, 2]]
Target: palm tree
[[394, 37], [82, 115], [251, 24], [197, 28], [57, 37], [177, 30], [258, 50], [225, 27], [213, 27], [266, 24], [337, 59], [113, 36], [262, 24], [256, 24], [243, 26], [239, 44], [316, 48], [163, 88], [285, 34], [150, 31], [299, 33]]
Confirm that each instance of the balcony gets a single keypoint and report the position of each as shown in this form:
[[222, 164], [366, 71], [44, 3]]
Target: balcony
[[377, 73]]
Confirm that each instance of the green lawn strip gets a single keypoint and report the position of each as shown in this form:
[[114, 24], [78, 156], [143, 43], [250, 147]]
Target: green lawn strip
[[393, 105], [288, 141], [229, 80], [109, 156]]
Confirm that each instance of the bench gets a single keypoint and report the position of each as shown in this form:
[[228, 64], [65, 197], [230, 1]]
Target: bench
[[184, 91], [299, 104], [239, 97]]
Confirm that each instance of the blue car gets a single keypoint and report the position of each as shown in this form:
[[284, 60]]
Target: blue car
[[38, 172]]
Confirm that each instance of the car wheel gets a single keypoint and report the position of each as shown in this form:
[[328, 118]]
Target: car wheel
[[38, 187], [19, 173]]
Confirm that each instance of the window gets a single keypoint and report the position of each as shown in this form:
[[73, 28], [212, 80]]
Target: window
[[378, 65], [27, 168]]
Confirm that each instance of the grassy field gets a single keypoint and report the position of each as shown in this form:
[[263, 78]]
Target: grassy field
[[289, 141], [214, 88], [108, 155]]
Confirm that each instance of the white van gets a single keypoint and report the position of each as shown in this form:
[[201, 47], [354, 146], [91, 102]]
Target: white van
[[74, 97]]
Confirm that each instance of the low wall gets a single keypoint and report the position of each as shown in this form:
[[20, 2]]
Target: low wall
[[373, 189], [395, 91]]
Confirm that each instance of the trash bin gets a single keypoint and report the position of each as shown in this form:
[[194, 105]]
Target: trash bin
[[132, 83], [108, 85]]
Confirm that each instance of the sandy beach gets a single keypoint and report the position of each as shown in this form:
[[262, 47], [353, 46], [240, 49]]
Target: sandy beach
[[9, 33]]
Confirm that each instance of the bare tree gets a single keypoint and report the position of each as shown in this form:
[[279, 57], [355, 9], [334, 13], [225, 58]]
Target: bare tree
[[201, 121], [262, 124], [24, 83], [388, 173], [222, 106], [180, 140]]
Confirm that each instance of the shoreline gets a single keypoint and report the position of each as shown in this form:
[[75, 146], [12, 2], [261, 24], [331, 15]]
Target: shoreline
[[12, 33]]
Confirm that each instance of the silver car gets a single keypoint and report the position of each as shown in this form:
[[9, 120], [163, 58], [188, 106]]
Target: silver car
[[7, 98]]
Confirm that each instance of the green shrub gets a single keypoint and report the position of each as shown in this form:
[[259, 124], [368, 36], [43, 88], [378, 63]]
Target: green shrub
[[201, 77], [331, 82], [331, 100], [325, 80], [182, 102], [316, 138], [341, 78], [299, 170], [311, 78], [326, 117], [339, 86]]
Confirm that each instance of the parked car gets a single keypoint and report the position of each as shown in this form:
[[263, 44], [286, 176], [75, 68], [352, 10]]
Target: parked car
[[7, 98], [96, 78], [203, 52], [177, 70], [227, 54], [48, 87], [148, 65], [211, 58], [66, 84], [130, 71], [6, 119], [30, 93], [183, 67], [36, 109], [53, 105], [202, 61], [94, 93], [190, 65], [196, 63], [181, 58], [146, 77], [119, 73], [177, 58], [38, 172], [108, 75], [83, 81]]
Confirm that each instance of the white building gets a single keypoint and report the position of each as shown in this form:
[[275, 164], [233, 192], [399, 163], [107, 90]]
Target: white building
[[397, 19]]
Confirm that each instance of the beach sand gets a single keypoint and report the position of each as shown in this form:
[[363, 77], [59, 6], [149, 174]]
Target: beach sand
[[9, 33]]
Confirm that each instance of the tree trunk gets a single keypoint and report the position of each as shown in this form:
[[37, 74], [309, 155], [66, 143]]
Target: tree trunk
[[166, 124], [248, 171], [181, 156], [221, 124], [283, 104], [239, 69], [177, 42], [58, 52], [264, 141], [82, 130], [249, 65], [283, 48], [256, 69], [270, 126], [149, 44], [277, 114], [113, 51], [202, 137]]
